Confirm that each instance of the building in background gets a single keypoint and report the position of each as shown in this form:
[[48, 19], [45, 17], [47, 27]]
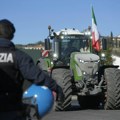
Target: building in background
[[34, 47]]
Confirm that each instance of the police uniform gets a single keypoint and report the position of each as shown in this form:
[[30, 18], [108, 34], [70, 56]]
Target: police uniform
[[15, 67]]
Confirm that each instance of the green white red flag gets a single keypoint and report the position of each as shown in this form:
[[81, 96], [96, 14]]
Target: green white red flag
[[95, 33]]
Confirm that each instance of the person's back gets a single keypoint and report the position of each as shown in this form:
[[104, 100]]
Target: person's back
[[15, 67], [11, 81]]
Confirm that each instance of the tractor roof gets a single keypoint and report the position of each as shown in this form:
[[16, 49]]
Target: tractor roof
[[69, 32]]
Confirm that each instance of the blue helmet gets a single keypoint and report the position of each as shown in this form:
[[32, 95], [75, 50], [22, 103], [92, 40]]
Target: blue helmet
[[41, 97]]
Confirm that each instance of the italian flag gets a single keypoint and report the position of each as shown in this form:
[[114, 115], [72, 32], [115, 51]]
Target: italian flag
[[95, 33]]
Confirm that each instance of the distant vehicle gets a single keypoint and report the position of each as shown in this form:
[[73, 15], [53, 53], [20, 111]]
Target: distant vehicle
[[80, 71]]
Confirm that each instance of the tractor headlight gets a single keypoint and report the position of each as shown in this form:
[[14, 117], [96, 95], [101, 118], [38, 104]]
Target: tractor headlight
[[103, 56], [81, 61], [55, 55], [51, 63], [62, 37], [84, 73]]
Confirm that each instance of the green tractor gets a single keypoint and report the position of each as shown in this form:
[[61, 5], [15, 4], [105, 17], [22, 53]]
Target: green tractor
[[81, 71]]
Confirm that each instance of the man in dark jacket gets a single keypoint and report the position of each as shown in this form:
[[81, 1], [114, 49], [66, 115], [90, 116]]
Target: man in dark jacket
[[15, 67]]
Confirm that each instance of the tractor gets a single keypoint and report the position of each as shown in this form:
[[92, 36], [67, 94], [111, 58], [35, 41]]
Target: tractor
[[80, 70]]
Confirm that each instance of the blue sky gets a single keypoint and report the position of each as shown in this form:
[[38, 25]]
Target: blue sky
[[32, 17]]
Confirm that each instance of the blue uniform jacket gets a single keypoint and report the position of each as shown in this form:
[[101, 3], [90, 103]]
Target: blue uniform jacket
[[27, 67]]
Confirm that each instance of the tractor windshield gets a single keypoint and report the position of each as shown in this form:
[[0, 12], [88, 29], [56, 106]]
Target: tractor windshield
[[74, 44], [65, 45]]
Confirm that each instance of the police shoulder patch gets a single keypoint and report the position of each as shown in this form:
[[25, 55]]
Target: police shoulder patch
[[6, 57]]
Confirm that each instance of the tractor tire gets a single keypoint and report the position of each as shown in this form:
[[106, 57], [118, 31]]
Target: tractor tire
[[112, 94], [63, 79]]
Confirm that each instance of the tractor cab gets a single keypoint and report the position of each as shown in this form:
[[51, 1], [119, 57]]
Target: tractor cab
[[66, 42], [80, 70]]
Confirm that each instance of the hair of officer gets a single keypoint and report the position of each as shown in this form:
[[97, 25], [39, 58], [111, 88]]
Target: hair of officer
[[7, 29]]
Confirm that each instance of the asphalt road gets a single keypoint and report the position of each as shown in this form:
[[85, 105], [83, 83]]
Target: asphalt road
[[84, 115], [78, 114]]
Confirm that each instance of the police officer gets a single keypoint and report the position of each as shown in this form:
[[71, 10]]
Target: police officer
[[15, 67]]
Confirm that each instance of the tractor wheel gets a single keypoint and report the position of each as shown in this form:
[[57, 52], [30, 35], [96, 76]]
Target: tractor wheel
[[63, 79], [112, 94]]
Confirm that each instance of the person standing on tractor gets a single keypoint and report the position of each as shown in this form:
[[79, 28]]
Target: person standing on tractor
[[15, 67]]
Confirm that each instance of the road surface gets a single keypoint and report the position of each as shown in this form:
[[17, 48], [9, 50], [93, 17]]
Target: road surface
[[84, 115]]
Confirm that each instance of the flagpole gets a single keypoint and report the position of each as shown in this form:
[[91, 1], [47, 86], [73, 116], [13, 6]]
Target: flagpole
[[91, 30]]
